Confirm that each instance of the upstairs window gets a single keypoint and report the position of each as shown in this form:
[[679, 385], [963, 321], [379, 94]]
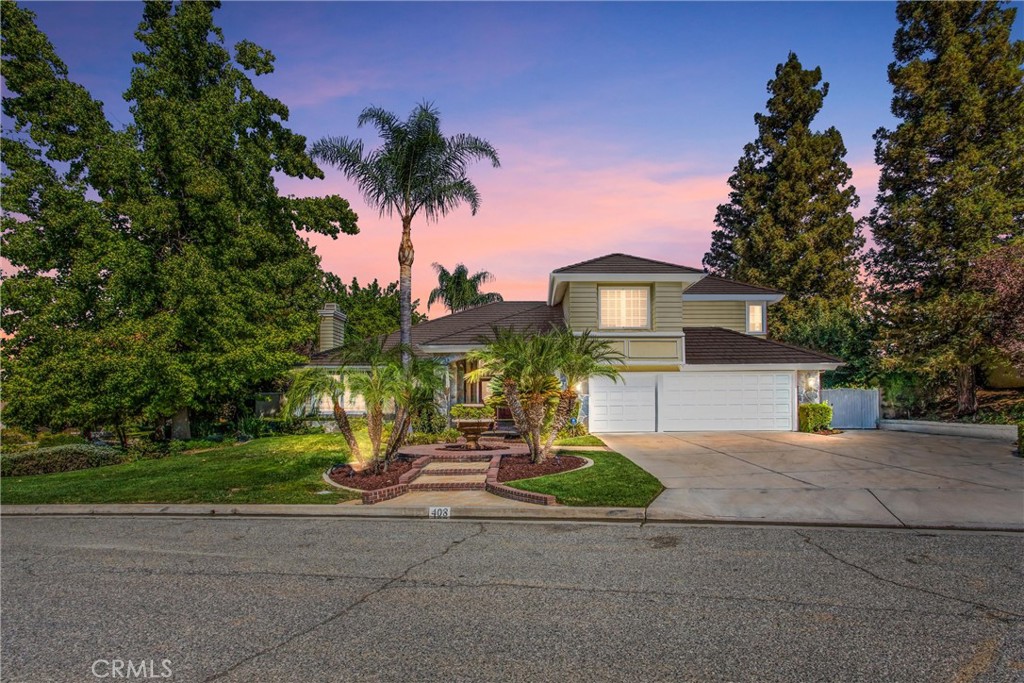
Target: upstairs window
[[755, 318], [624, 307]]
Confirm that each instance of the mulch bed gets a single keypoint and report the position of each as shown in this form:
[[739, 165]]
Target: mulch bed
[[365, 481], [519, 466]]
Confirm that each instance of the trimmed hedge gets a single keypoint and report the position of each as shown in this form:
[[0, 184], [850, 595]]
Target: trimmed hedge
[[65, 458], [463, 411], [814, 417]]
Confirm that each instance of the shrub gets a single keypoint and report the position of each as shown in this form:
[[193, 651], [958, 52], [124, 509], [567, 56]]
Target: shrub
[[419, 439], [429, 419], [814, 417], [571, 431], [253, 426], [66, 458], [147, 449], [12, 436], [450, 435], [470, 412], [60, 440]]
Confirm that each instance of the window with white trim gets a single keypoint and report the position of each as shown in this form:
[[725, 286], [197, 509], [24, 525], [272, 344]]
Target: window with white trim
[[624, 307], [755, 318]]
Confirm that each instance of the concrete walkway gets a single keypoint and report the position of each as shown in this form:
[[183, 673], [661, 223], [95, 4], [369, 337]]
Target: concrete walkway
[[857, 477]]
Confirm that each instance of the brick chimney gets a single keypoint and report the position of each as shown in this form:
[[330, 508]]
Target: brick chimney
[[332, 328]]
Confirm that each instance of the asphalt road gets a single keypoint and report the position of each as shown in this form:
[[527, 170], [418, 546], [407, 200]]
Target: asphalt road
[[406, 600]]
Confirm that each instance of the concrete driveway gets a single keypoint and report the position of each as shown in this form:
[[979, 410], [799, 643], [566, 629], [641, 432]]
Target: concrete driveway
[[857, 477]]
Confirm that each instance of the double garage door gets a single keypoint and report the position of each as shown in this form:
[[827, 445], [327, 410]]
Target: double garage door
[[693, 401]]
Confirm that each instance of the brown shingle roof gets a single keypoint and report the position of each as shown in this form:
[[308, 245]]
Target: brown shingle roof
[[466, 327], [626, 264], [712, 284], [716, 345]]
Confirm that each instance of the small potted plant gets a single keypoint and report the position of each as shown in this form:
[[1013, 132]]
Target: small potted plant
[[472, 421]]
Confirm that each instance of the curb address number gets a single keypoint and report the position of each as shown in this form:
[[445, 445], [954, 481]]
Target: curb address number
[[440, 513]]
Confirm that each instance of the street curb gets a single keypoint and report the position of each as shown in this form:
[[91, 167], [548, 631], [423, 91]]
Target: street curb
[[540, 513]]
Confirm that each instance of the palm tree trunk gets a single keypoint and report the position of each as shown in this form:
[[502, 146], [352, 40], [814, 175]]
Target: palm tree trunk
[[535, 418], [515, 405], [397, 439], [406, 254], [566, 404], [966, 391], [375, 426], [341, 419]]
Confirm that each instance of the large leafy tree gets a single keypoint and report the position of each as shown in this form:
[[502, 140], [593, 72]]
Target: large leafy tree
[[372, 310], [788, 223], [157, 269], [952, 184], [459, 290], [416, 171]]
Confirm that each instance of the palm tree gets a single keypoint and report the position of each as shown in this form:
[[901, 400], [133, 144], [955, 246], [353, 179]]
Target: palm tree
[[416, 169], [459, 290], [527, 366], [312, 384], [580, 357], [378, 386], [418, 383]]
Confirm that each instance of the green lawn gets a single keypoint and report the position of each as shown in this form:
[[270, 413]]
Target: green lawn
[[283, 469], [613, 481], [585, 440]]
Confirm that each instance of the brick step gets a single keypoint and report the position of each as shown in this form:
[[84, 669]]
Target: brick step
[[463, 456], [426, 485], [433, 471]]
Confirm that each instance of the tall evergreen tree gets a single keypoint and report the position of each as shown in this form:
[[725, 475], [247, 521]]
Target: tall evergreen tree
[[157, 267], [952, 183], [788, 224]]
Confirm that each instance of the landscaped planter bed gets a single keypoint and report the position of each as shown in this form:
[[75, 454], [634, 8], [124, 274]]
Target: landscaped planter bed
[[515, 467], [367, 481]]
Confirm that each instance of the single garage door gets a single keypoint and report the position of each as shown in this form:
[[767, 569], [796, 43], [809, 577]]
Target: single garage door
[[718, 401], [623, 406]]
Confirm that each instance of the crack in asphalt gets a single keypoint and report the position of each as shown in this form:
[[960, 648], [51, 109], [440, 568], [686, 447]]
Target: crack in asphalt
[[995, 612], [348, 608]]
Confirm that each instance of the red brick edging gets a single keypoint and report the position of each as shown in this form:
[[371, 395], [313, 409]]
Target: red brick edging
[[380, 495], [498, 489]]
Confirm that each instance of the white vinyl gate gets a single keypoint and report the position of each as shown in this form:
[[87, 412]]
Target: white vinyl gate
[[853, 408]]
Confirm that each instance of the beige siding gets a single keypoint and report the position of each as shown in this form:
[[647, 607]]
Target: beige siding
[[647, 349], [728, 314], [668, 306], [582, 298]]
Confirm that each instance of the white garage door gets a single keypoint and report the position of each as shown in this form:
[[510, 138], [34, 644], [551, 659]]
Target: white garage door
[[626, 406], [716, 401]]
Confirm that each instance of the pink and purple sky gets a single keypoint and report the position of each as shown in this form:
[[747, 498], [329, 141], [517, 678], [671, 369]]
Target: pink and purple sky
[[617, 124]]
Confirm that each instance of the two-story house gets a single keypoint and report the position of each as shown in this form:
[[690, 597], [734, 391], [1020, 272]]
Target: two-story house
[[696, 354]]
